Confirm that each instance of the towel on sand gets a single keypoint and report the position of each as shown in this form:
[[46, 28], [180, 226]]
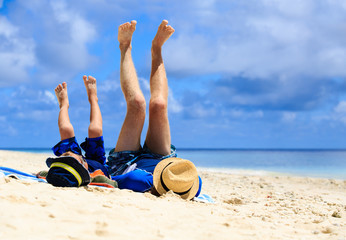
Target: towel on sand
[[10, 172]]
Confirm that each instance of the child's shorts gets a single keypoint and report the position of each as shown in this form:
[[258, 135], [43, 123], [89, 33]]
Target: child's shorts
[[94, 151]]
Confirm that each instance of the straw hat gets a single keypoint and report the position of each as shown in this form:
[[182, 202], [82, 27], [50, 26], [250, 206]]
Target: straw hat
[[178, 175]]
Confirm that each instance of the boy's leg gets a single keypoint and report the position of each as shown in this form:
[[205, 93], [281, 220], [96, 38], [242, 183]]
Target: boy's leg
[[94, 145], [130, 134], [65, 126], [95, 127], [158, 137]]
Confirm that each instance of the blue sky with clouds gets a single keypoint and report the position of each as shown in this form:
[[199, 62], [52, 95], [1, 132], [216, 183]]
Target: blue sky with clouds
[[242, 74]]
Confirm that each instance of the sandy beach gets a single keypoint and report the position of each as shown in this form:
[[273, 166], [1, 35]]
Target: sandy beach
[[247, 207]]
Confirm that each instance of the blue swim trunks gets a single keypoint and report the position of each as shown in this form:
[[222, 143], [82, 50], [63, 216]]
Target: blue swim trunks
[[120, 162], [94, 151], [133, 169]]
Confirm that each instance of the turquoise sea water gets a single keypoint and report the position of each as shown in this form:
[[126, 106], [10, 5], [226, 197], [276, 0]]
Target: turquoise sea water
[[311, 163]]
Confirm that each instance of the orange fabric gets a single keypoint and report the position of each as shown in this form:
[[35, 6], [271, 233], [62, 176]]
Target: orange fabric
[[38, 175], [102, 185], [97, 173]]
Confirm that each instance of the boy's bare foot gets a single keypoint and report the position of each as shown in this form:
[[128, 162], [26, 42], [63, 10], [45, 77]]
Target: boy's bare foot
[[125, 33], [61, 95], [163, 33], [90, 85]]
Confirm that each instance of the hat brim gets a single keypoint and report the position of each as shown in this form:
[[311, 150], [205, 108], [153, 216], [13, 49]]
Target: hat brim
[[73, 163], [157, 179]]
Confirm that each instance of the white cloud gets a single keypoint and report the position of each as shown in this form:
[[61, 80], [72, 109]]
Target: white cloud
[[6, 127], [69, 53], [174, 106], [189, 53], [241, 114], [80, 29], [288, 116], [53, 42], [37, 115], [25, 99], [145, 84], [338, 114], [108, 86], [341, 107], [292, 7], [262, 39], [16, 54], [48, 97]]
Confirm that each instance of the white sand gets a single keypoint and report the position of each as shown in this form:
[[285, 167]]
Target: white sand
[[247, 207]]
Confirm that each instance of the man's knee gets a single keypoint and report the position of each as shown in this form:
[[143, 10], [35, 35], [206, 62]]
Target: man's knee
[[157, 105], [137, 104]]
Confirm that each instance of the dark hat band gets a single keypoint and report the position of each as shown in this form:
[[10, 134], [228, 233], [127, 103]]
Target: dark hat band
[[69, 169], [166, 188]]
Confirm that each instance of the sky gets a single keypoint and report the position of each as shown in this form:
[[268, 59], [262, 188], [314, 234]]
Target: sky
[[242, 74]]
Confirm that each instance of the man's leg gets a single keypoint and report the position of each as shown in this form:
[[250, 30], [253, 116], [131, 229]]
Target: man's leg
[[130, 134], [158, 137], [65, 126], [95, 127]]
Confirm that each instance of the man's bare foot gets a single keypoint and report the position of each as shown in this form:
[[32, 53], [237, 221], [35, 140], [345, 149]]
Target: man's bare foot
[[163, 33], [90, 85], [125, 33], [61, 95]]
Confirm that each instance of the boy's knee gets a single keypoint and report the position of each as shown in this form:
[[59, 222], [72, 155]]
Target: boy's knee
[[66, 128], [95, 130], [157, 105]]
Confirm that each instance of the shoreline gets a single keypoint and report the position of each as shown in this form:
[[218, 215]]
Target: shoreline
[[246, 207], [259, 172], [292, 172]]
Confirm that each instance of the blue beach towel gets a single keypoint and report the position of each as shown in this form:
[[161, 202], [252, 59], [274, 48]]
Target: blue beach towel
[[10, 172], [204, 198]]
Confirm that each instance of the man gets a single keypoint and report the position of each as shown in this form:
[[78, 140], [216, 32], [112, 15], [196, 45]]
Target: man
[[131, 165]]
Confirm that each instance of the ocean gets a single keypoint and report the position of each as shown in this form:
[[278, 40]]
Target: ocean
[[310, 163], [301, 162]]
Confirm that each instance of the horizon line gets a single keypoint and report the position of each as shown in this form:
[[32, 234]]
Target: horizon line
[[205, 149]]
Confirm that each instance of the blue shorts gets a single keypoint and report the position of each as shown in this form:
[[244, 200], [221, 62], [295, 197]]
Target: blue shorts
[[94, 151], [140, 179]]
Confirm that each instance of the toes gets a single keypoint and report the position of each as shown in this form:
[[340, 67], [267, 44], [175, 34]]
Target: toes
[[128, 25], [133, 22], [58, 88], [170, 29], [164, 22], [92, 79], [64, 85], [85, 78], [124, 25]]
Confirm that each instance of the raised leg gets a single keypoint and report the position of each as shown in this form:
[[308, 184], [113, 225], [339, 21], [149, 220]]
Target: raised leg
[[158, 137], [95, 127], [65, 126], [130, 134]]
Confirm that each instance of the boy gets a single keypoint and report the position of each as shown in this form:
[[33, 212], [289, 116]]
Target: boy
[[64, 170]]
